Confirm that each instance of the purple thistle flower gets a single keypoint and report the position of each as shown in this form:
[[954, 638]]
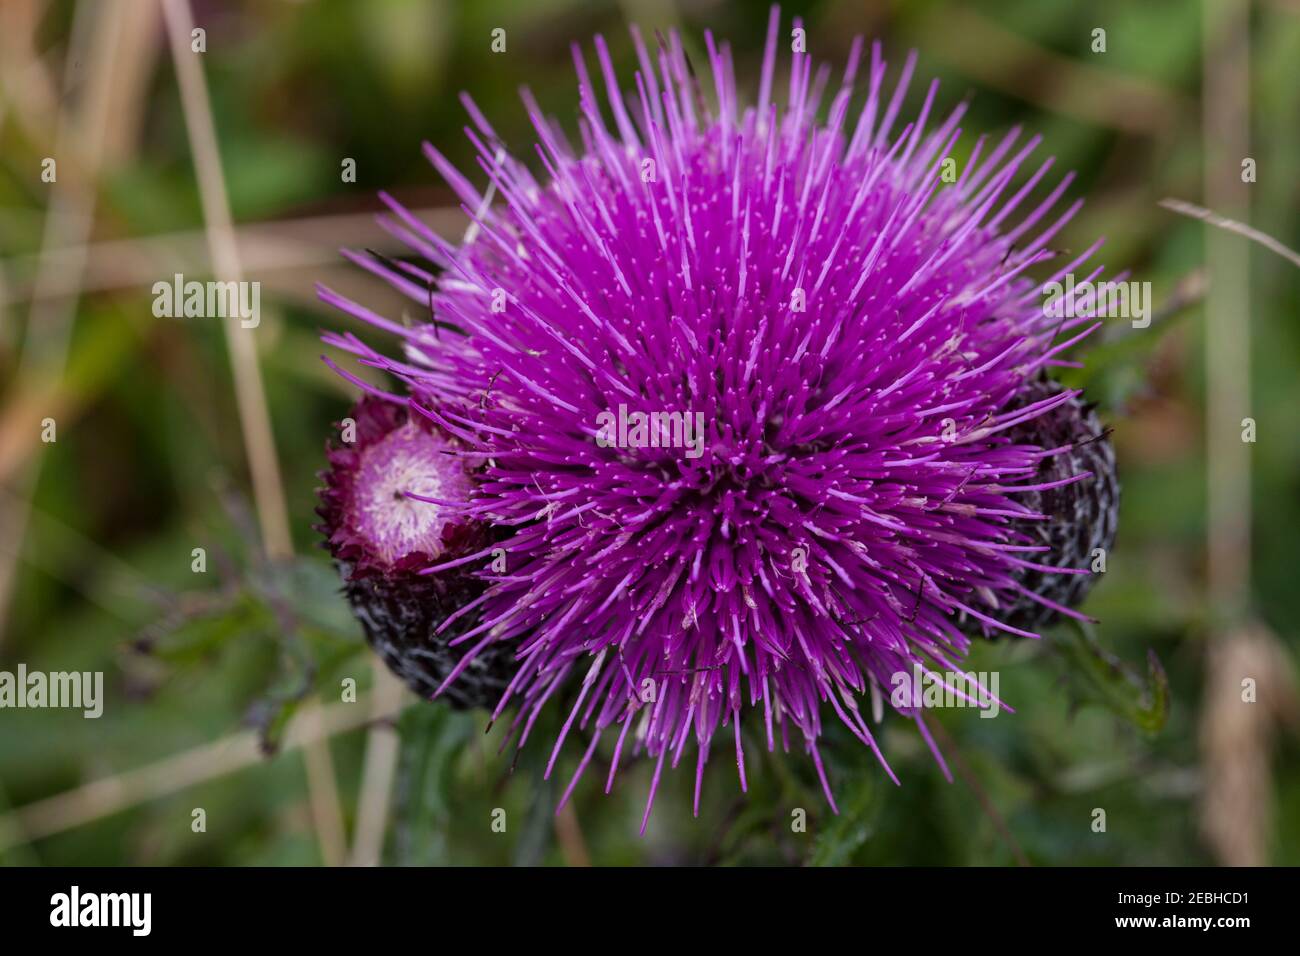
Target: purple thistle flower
[[382, 523], [858, 340]]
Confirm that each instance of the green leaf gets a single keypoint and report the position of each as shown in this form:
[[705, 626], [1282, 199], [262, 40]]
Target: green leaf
[[433, 737], [848, 831], [539, 826], [1142, 702], [312, 589]]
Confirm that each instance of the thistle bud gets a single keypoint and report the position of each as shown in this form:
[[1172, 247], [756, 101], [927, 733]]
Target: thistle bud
[[388, 510]]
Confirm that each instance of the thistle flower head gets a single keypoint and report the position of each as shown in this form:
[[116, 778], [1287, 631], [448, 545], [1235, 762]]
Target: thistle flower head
[[1080, 518], [388, 508], [742, 383], [391, 491]]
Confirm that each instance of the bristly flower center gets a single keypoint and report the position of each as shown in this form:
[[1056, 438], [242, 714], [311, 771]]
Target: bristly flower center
[[409, 461]]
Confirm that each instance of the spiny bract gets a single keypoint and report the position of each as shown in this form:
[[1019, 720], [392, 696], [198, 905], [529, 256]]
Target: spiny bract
[[859, 335]]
